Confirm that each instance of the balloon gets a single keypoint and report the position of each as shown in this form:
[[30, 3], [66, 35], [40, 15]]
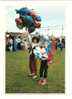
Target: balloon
[[20, 26], [31, 29], [38, 18], [18, 21], [28, 18], [37, 24], [33, 13], [23, 11]]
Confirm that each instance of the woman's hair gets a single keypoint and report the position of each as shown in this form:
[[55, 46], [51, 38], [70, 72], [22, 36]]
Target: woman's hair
[[35, 39]]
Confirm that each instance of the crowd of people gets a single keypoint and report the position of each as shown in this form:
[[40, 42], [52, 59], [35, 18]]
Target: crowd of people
[[14, 43]]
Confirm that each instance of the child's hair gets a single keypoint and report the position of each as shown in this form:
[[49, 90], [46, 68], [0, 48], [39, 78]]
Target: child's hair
[[42, 45]]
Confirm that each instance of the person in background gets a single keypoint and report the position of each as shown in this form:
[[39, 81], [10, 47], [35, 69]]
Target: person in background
[[18, 42], [63, 42], [48, 49], [54, 45], [10, 44], [59, 44]]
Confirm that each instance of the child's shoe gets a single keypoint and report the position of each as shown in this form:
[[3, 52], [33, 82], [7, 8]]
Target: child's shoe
[[44, 82], [39, 82]]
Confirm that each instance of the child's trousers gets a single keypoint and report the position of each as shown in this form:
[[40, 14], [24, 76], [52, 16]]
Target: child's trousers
[[43, 68]]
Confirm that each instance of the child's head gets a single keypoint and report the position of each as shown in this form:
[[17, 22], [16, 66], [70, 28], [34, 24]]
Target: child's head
[[42, 45]]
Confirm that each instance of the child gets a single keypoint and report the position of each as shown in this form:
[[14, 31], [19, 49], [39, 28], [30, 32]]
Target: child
[[44, 66]]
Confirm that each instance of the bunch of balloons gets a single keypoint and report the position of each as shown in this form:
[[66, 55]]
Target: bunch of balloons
[[28, 18]]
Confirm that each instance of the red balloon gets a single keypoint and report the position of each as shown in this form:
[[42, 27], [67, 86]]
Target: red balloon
[[18, 21], [33, 13], [37, 24]]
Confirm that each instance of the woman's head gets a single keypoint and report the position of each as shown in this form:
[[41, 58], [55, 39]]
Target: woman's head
[[35, 40]]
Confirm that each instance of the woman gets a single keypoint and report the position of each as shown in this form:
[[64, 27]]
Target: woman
[[32, 59]]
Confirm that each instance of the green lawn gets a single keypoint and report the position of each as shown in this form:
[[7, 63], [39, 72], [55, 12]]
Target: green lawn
[[17, 80]]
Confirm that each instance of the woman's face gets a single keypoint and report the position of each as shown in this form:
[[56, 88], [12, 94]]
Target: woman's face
[[35, 41]]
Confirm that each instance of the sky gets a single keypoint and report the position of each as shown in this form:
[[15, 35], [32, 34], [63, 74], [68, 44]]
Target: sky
[[50, 15]]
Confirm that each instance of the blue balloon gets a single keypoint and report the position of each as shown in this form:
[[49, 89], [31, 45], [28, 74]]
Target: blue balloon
[[38, 18], [31, 29], [23, 11], [28, 20]]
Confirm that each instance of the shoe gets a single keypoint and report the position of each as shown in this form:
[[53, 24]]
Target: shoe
[[30, 75], [44, 82], [39, 82], [34, 77]]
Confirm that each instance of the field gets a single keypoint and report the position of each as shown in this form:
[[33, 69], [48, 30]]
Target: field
[[17, 80]]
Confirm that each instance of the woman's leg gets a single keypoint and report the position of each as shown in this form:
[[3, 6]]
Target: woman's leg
[[34, 71]]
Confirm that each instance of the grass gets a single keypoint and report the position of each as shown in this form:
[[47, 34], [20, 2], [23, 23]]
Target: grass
[[17, 80]]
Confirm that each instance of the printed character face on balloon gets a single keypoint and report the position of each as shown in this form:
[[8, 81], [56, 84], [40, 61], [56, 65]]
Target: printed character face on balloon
[[28, 19]]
